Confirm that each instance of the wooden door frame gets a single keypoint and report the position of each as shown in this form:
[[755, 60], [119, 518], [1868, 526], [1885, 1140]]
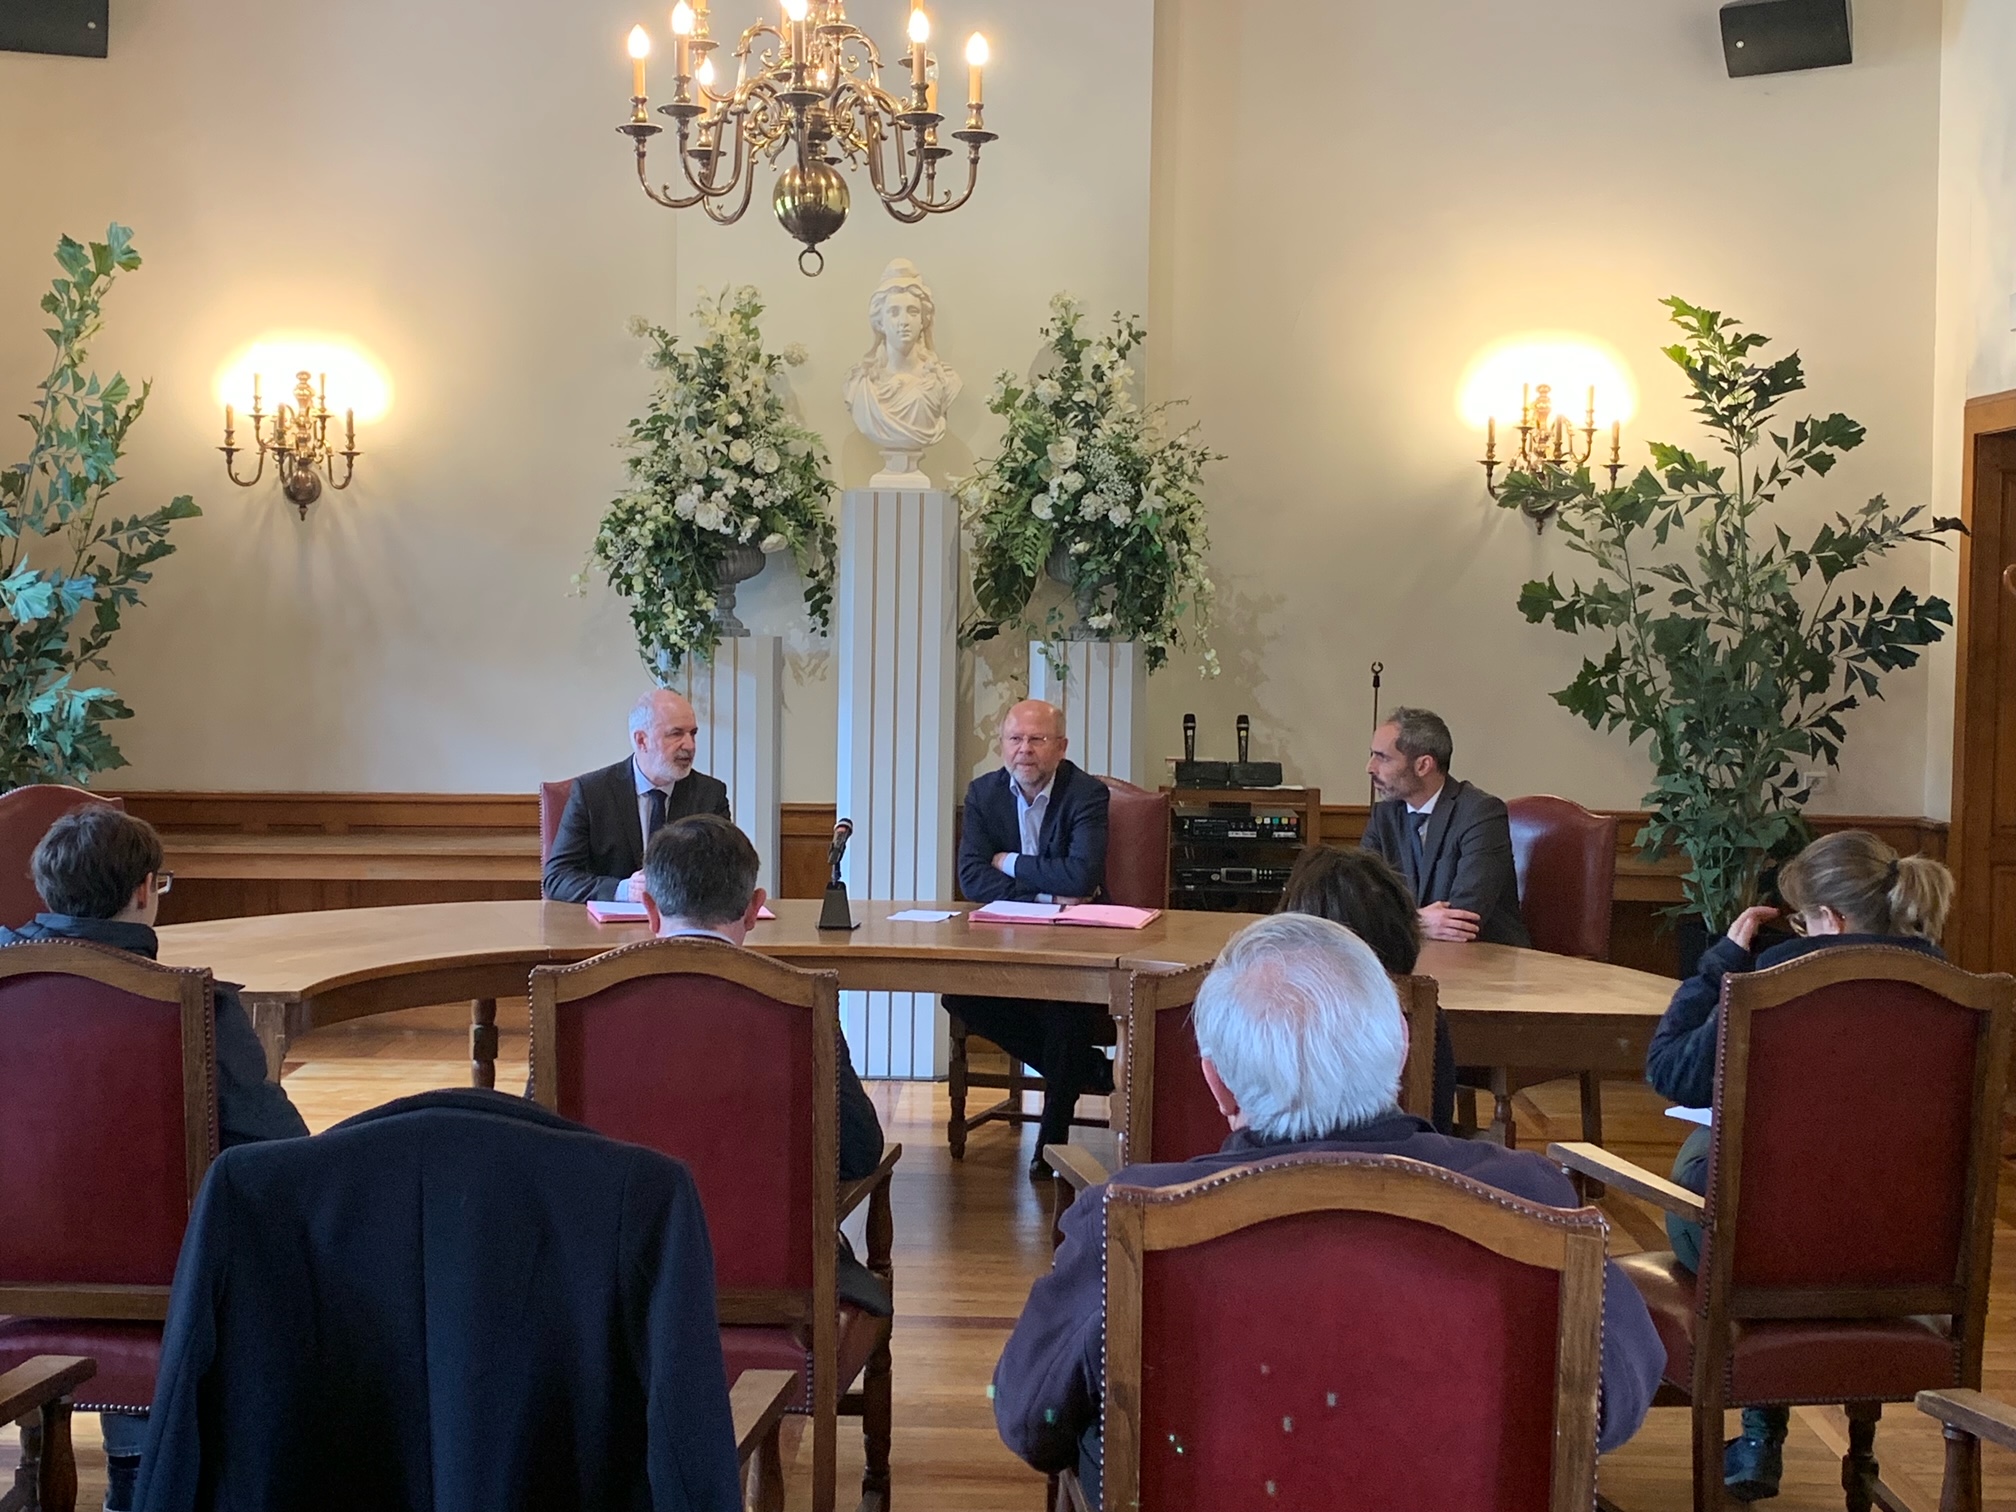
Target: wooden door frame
[[1974, 693]]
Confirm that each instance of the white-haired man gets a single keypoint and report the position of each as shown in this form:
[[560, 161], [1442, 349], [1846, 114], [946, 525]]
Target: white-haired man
[[612, 814], [1303, 1043]]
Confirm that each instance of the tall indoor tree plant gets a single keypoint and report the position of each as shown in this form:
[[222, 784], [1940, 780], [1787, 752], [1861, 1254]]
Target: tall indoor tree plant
[[69, 569], [1731, 649]]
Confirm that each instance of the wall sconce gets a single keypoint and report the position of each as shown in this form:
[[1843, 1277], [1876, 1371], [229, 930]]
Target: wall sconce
[[1547, 440], [1549, 446], [299, 442]]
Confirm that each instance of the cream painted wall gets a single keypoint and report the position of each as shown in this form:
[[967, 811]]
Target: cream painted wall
[[1318, 262], [1977, 289], [442, 182], [1465, 171]]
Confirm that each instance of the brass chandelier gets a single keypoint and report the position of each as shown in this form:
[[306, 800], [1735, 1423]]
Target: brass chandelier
[[808, 92]]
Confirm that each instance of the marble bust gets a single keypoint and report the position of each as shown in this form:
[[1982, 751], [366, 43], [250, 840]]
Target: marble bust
[[900, 390]]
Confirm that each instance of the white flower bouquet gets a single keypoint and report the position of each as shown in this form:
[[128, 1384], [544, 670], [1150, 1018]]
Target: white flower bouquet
[[720, 474], [1092, 486]]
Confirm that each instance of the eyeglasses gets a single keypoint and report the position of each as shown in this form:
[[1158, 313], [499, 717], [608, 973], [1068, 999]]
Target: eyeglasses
[[164, 883], [1035, 741]]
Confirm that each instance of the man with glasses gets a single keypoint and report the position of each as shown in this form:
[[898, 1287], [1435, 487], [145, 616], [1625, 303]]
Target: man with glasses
[[99, 871], [1035, 832]]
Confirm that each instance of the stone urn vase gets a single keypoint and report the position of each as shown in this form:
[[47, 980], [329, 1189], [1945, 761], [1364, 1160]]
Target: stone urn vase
[[741, 563], [1084, 596]]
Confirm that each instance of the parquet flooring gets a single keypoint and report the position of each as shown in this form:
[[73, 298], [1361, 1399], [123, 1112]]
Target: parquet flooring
[[972, 1235]]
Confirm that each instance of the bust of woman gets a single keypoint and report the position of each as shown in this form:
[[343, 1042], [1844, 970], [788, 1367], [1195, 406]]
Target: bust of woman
[[900, 390]]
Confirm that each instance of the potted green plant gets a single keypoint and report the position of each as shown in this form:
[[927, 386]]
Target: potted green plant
[[1729, 648], [721, 477], [69, 570], [1092, 489]]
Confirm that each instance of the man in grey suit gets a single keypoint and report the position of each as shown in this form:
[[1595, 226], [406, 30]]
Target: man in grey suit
[[598, 852], [1450, 840]]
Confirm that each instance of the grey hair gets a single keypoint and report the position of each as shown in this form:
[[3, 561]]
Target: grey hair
[[1304, 1027], [1421, 732], [642, 710]]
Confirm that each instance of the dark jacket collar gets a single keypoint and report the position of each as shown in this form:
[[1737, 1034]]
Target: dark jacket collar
[[1390, 1127], [468, 1100], [1791, 950], [117, 933]]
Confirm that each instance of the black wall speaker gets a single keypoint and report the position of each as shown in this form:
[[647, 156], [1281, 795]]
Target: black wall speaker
[[1783, 36], [75, 28]]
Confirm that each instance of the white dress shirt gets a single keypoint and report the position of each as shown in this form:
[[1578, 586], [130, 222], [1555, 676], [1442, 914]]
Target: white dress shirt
[[630, 891], [1029, 815]]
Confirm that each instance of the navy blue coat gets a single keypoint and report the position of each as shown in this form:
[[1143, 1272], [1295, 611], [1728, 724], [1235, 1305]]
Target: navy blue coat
[[1680, 1061], [1051, 1377], [458, 1302], [249, 1107], [1071, 859]]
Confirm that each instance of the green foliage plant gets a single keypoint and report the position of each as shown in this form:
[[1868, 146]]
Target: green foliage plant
[[1731, 650], [69, 569], [716, 462], [1089, 475]]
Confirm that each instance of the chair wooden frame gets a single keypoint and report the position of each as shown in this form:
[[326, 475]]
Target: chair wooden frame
[[1723, 1304], [191, 989], [817, 1308], [1137, 997], [37, 1393], [1142, 1220], [1967, 1417]]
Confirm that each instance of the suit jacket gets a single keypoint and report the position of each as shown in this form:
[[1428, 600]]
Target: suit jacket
[[600, 843], [1465, 861], [1071, 859], [1051, 1378], [249, 1107], [457, 1302]]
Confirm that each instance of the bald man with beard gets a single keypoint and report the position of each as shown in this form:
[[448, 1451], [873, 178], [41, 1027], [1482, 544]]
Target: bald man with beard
[[598, 853], [1035, 832]]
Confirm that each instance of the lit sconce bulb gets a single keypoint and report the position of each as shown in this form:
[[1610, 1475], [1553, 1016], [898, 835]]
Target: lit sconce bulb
[[705, 74], [682, 19], [920, 26], [640, 43], [976, 50], [794, 10]]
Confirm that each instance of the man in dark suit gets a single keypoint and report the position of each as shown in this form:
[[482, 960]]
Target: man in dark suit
[[598, 852], [1035, 832], [1450, 840], [1312, 1066]]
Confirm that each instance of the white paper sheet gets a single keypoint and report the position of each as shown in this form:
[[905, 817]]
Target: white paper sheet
[[923, 915]]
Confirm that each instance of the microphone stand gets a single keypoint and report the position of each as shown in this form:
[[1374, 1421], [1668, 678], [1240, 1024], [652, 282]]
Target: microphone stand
[[835, 913]]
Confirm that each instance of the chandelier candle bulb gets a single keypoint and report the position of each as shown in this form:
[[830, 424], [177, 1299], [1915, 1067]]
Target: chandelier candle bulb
[[976, 60], [682, 40], [640, 49], [920, 33]]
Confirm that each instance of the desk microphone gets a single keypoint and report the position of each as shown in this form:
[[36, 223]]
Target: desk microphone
[[1189, 737], [834, 913], [1245, 728]]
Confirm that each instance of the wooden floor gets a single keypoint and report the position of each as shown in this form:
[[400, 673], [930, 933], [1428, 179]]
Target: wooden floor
[[972, 1235]]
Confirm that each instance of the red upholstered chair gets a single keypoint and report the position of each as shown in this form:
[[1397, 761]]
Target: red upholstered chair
[[1137, 876], [38, 1394], [1848, 1224], [1282, 1335], [726, 1060], [1566, 860], [25, 816], [553, 798], [107, 1124], [1173, 1116]]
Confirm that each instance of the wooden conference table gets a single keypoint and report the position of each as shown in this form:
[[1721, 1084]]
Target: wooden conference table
[[1506, 1007]]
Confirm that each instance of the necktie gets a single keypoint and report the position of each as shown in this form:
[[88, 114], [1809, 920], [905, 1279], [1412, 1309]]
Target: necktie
[[657, 814]]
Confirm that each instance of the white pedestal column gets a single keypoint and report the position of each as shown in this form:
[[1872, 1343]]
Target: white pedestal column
[[1104, 696], [739, 698], [895, 627]]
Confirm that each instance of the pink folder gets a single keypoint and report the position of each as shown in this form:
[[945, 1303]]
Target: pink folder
[[633, 913], [1094, 915]]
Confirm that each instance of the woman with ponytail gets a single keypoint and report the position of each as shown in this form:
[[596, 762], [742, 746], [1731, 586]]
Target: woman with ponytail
[[1846, 889]]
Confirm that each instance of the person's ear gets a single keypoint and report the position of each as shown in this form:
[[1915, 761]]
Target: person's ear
[[756, 901], [142, 895], [651, 912], [1220, 1093]]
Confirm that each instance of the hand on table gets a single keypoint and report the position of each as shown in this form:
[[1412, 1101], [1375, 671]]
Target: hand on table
[[1748, 922], [632, 890], [1458, 925]]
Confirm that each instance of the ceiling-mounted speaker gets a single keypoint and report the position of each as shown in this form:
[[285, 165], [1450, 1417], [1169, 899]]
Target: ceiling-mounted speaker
[[1784, 36], [74, 28]]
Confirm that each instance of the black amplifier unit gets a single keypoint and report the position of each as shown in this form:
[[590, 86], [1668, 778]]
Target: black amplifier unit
[[1207, 878], [1220, 826]]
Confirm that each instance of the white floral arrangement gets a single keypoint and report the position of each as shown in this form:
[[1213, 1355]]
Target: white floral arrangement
[[1093, 486], [718, 467]]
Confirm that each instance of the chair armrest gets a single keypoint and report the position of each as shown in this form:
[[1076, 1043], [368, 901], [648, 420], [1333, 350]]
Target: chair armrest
[[758, 1400], [1076, 1166], [1614, 1170], [26, 1387], [854, 1193], [1070, 1494], [1972, 1413]]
